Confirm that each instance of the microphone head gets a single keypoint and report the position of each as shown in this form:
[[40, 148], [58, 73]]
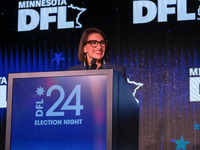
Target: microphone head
[[93, 63]]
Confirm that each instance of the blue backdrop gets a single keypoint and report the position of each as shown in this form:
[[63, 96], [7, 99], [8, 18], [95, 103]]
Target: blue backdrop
[[157, 56]]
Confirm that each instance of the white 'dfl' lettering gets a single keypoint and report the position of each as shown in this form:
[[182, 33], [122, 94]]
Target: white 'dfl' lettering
[[162, 10]]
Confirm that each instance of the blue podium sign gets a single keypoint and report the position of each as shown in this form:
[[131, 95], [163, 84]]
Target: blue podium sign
[[67, 110]]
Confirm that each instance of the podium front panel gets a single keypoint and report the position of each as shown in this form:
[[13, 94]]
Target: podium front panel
[[60, 110]]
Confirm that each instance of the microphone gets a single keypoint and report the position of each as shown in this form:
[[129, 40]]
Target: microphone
[[104, 64], [93, 64]]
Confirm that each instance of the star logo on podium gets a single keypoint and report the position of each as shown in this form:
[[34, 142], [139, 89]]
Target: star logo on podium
[[40, 91]]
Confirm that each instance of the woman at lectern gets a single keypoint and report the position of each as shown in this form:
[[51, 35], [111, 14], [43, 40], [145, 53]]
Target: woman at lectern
[[93, 52]]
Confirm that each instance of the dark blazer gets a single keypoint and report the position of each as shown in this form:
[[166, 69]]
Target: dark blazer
[[120, 69]]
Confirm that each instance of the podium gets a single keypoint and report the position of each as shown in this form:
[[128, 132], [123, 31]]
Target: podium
[[71, 110]]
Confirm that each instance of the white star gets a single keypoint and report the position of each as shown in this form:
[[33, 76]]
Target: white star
[[40, 91]]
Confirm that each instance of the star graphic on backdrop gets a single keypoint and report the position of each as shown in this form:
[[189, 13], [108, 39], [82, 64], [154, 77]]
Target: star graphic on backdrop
[[40, 91], [180, 143], [196, 126], [58, 58]]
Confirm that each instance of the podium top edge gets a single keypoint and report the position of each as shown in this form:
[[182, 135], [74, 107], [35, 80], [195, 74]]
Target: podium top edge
[[61, 73]]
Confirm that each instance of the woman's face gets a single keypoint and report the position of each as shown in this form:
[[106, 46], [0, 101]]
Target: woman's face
[[95, 47]]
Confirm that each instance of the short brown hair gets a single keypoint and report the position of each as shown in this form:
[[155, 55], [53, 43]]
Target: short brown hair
[[83, 40]]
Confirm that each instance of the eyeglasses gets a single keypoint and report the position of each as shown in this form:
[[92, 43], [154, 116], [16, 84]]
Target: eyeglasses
[[95, 43]]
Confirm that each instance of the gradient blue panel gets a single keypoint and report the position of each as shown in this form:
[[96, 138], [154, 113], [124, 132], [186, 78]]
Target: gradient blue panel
[[88, 133]]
